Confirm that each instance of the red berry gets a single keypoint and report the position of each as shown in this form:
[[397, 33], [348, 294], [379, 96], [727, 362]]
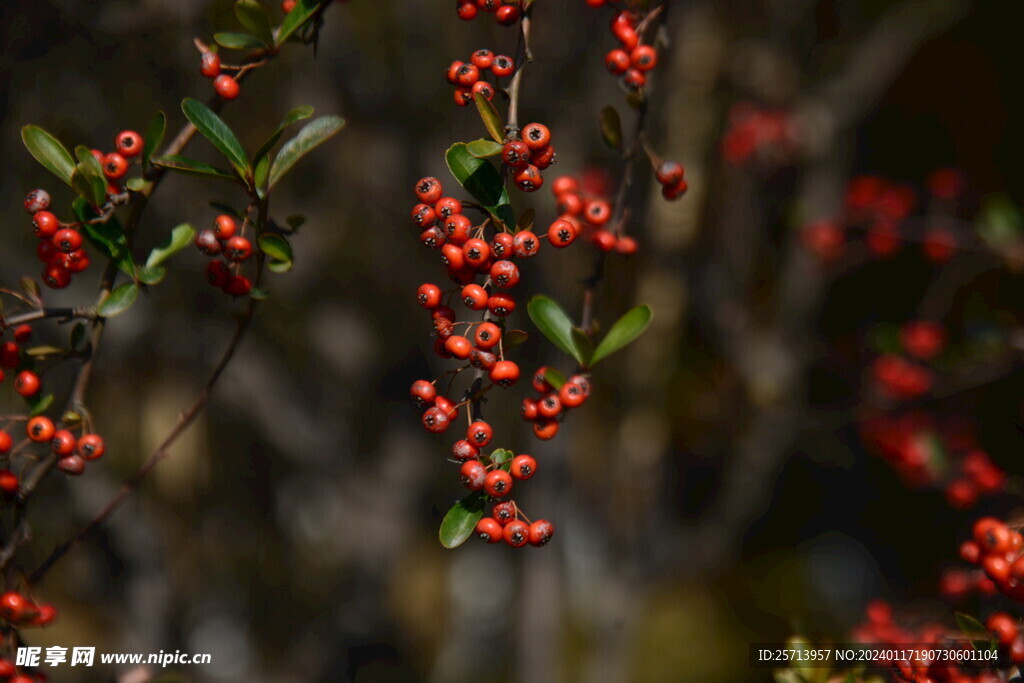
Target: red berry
[[40, 429], [237, 249], [8, 483], [224, 227], [479, 433], [45, 225], [992, 535], [528, 410], [643, 57], [473, 475], [226, 87], [516, 533], [504, 512], [447, 206], [114, 166], [63, 442], [466, 75], [217, 273], [501, 245], [91, 446], [12, 606], [6, 441], [541, 532], [525, 244], [436, 420], [549, 406], [237, 285], [515, 154], [501, 305], [423, 392], [498, 483], [464, 450], [432, 238], [458, 346], [37, 200], [669, 172], [543, 158], [457, 227], [129, 143], [429, 296], [504, 373], [562, 233], [571, 395], [617, 61], [477, 252], [545, 429], [287, 6], [71, 464], [487, 335], [56, 276], [635, 79], [466, 10], [507, 15], [536, 135], [597, 212], [67, 240], [489, 530], [1003, 626], [503, 66], [27, 383], [504, 274], [564, 184], [523, 467], [474, 297], [209, 64], [603, 240]]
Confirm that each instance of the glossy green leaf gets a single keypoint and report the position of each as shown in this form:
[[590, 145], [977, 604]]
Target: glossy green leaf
[[552, 322], [40, 404], [583, 345], [48, 151], [150, 275], [260, 174], [181, 164], [482, 149], [491, 118], [611, 128], [975, 631], [294, 116], [89, 176], [108, 238], [136, 184], [502, 458], [625, 330], [276, 247], [513, 338], [295, 19], [213, 128], [295, 221], [154, 137], [1000, 222], [482, 180], [554, 378], [312, 135], [459, 523], [180, 238], [252, 16], [119, 300], [237, 40]]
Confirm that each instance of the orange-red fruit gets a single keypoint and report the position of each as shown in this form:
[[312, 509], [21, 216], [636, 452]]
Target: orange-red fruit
[[129, 143], [489, 530], [541, 532], [27, 383], [40, 429], [91, 446], [226, 87], [516, 533]]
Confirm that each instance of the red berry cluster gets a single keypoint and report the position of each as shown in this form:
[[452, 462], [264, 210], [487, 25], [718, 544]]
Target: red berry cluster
[[587, 209], [72, 452], [670, 175], [505, 524], [529, 155], [548, 408], [632, 59], [223, 240], [756, 134], [224, 85], [506, 12], [21, 611], [470, 78], [997, 549]]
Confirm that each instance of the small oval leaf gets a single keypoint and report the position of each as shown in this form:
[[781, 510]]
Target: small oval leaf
[[48, 151], [624, 331], [482, 180], [180, 238], [295, 19], [213, 128], [312, 135], [482, 149], [491, 118], [554, 378], [237, 40], [461, 519], [252, 16], [176, 162], [552, 322], [611, 128], [155, 132], [119, 301], [276, 247]]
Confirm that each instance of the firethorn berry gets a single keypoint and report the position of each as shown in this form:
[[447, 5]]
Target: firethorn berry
[[45, 225], [598, 212], [487, 335], [473, 475], [446, 406], [67, 240], [562, 233], [207, 243], [541, 532], [12, 606], [505, 373], [46, 615], [504, 512], [447, 206], [466, 10], [617, 61], [8, 355], [237, 249], [432, 238], [40, 429], [505, 274], [1003, 626], [482, 59], [571, 395], [501, 245], [507, 15], [545, 430], [483, 360], [484, 88], [6, 441], [477, 252], [643, 57], [564, 184], [603, 240], [27, 383], [464, 450], [466, 75], [525, 244], [996, 567], [91, 446], [515, 154], [479, 433], [635, 79], [458, 346], [226, 87], [549, 406], [209, 64], [570, 203], [63, 442], [536, 135], [669, 172], [237, 285], [489, 530], [428, 296], [540, 382], [501, 305], [217, 273], [37, 200], [543, 158], [8, 483], [423, 392], [71, 464], [516, 533], [423, 216], [287, 6], [129, 143], [528, 410], [503, 66], [498, 483], [992, 535], [625, 246], [435, 420], [114, 166], [523, 467], [475, 297], [457, 227]]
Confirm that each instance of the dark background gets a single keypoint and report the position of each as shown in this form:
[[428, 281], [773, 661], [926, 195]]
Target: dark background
[[713, 493]]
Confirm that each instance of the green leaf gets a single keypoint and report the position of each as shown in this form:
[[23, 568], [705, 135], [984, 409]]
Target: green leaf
[[513, 338], [975, 631], [150, 276], [999, 221], [180, 238], [312, 135], [259, 293], [611, 128], [491, 118], [39, 404], [293, 116], [295, 222], [502, 458], [213, 128], [176, 162], [237, 40], [625, 330], [254, 17], [554, 378], [108, 238], [295, 19], [119, 301], [39, 351], [583, 345], [461, 519], [278, 249], [155, 131], [89, 176], [552, 321], [482, 149], [48, 151], [30, 288], [481, 180], [260, 174]]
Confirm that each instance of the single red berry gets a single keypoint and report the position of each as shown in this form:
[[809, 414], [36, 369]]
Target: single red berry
[[540, 382], [76, 262], [209, 64], [224, 227], [27, 383], [466, 10], [635, 79], [463, 96], [129, 143], [545, 429], [40, 429], [432, 238], [505, 274], [516, 533], [477, 252], [498, 483], [970, 552], [457, 228], [603, 240], [56, 276], [674, 192], [71, 464], [482, 59], [479, 433], [528, 410], [464, 450], [37, 200], [287, 6], [91, 446], [564, 184], [8, 483], [562, 233], [114, 166], [549, 406], [458, 346], [435, 420], [474, 297], [217, 273], [449, 409], [996, 567], [501, 305], [428, 296], [207, 242], [992, 535], [483, 88], [669, 172], [429, 190], [473, 475], [536, 135], [571, 395], [489, 530], [543, 158], [452, 74], [237, 285], [12, 606], [643, 57], [423, 392], [45, 616], [466, 75], [67, 240], [1003, 626], [625, 246], [226, 87], [505, 373], [487, 335], [525, 244], [6, 441], [626, 35], [447, 206], [503, 66], [237, 249], [482, 360], [504, 512], [63, 442], [617, 61], [597, 212], [45, 225], [507, 15], [515, 154], [523, 467], [541, 532], [8, 355], [501, 245]]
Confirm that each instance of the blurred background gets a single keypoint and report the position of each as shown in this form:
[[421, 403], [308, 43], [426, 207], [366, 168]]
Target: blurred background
[[711, 494]]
